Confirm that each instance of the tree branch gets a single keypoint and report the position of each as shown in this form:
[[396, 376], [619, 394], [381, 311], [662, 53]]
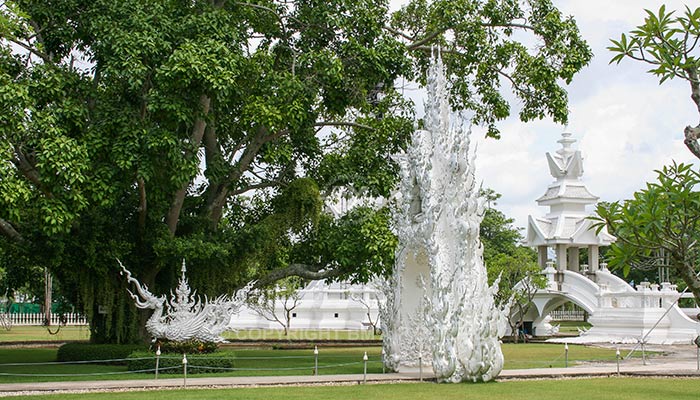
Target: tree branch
[[143, 209], [399, 33], [9, 231], [429, 37], [29, 171], [304, 271], [44, 57], [173, 216], [215, 207], [340, 123]]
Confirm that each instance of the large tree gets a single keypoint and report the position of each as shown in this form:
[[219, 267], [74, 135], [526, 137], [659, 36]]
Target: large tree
[[659, 226], [668, 44], [508, 260], [152, 130]]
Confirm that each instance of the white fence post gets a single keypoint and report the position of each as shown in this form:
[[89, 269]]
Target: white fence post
[[38, 319]]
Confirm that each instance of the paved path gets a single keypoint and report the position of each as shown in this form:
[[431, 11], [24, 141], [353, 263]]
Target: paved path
[[682, 364]]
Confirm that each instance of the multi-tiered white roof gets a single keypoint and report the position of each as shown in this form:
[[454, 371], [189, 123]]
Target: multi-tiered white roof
[[567, 197]]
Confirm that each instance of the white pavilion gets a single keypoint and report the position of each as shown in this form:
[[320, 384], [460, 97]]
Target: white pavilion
[[618, 312]]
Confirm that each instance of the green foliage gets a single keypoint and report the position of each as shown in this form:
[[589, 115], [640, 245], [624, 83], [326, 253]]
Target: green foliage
[[154, 130], [172, 364], [505, 259], [667, 43], [664, 41], [192, 346], [92, 352], [485, 47], [658, 225]]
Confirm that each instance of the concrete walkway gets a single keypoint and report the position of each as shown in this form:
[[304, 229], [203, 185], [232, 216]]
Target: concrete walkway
[[673, 366]]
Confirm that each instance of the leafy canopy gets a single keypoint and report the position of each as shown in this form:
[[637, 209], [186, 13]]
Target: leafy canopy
[[659, 225], [216, 130], [668, 44]]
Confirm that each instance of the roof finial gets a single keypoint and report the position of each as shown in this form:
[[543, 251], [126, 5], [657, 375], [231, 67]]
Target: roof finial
[[566, 142]]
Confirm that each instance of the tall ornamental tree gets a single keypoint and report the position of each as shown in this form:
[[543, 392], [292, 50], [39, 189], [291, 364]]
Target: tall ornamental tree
[[659, 226], [668, 43], [152, 130]]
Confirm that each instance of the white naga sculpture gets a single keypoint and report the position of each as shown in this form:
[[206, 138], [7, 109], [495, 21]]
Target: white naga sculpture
[[185, 316], [438, 302]]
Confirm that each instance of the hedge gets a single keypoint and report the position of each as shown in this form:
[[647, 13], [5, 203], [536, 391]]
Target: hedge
[[92, 352], [146, 360]]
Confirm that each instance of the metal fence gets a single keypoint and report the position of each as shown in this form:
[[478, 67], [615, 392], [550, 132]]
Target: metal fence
[[567, 315]]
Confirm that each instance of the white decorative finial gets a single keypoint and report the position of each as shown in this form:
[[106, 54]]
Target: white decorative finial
[[566, 142]]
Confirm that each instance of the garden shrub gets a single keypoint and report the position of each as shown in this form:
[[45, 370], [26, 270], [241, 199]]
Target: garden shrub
[[92, 352], [146, 360], [188, 346]]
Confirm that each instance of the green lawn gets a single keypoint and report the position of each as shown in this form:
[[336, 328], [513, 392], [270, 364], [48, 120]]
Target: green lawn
[[546, 355], [571, 389], [252, 362], [21, 333], [300, 334], [570, 327], [255, 362], [39, 333]]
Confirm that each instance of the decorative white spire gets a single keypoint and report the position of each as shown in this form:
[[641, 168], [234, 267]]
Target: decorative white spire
[[456, 319], [567, 163]]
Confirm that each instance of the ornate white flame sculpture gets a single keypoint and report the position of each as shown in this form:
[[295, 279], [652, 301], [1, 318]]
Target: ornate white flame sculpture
[[439, 288], [185, 316]]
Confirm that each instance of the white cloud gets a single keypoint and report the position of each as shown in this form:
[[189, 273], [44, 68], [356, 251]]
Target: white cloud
[[627, 125]]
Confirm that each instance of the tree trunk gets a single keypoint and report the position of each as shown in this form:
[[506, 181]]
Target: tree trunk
[[687, 273]]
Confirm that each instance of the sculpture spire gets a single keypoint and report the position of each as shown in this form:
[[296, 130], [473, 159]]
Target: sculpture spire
[[439, 307], [566, 163]]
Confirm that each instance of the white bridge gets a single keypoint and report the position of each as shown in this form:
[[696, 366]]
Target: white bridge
[[618, 312]]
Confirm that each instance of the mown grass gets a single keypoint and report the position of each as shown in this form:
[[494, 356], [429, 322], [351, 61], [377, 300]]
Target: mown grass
[[250, 362], [22, 333], [571, 389], [300, 334], [571, 327], [259, 362]]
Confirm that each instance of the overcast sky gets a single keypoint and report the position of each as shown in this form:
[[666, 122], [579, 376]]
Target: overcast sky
[[625, 123]]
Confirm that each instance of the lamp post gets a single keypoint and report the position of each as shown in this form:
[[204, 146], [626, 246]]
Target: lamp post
[[364, 359], [566, 355], [157, 360], [697, 351], [184, 369], [315, 360], [420, 366], [383, 366]]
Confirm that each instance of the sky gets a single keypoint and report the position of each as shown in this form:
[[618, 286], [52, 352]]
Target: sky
[[626, 124]]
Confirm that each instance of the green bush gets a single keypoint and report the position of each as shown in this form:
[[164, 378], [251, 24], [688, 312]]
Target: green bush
[[188, 346], [146, 360], [92, 352]]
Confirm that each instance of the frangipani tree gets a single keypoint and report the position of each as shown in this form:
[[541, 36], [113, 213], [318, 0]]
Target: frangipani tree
[[668, 43]]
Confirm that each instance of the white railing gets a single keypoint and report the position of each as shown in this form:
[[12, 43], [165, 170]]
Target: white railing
[[567, 315], [38, 319]]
